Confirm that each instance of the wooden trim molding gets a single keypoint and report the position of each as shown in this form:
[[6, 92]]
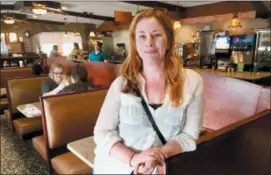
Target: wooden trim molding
[[211, 135]]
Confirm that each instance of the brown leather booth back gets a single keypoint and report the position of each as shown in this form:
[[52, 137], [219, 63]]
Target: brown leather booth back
[[71, 117], [227, 100], [100, 74], [14, 72], [23, 91], [264, 100], [68, 64]]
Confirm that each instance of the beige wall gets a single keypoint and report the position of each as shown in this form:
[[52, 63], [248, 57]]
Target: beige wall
[[121, 36]]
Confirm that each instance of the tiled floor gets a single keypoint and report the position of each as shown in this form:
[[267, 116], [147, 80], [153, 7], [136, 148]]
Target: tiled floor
[[19, 157]]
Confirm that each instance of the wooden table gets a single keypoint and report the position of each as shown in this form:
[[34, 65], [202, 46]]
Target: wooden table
[[250, 76], [30, 110], [84, 150]]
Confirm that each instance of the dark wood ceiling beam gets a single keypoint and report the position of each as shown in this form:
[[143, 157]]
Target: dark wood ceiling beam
[[156, 4], [45, 21], [14, 15], [6, 7], [26, 4], [90, 16], [261, 10]]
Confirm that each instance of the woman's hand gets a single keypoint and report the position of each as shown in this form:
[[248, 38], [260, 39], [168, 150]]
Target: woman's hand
[[150, 154], [141, 158], [157, 152], [149, 167], [146, 168]]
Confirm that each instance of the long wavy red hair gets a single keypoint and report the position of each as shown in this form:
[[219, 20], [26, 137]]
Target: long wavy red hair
[[132, 66]]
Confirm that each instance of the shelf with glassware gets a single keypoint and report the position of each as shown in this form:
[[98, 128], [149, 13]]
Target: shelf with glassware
[[18, 60]]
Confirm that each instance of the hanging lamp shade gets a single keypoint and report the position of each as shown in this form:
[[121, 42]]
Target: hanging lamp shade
[[177, 25], [39, 9], [9, 20], [92, 34], [235, 22]]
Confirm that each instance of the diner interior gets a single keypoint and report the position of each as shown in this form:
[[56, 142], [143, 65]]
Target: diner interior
[[226, 42]]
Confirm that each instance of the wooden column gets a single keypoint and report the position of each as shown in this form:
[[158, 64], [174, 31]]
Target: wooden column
[[85, 35]]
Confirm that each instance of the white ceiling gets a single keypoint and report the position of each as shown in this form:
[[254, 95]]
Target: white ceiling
[[189, 3], [103, 8]]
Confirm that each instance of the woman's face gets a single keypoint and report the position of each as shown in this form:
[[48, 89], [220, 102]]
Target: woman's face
[[151, 39], [58, 74], [97, 47]]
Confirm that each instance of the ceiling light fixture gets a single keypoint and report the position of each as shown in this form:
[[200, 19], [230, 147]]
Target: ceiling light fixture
[[9, 20], [66, 33], [235, 21], [39, 9], [64, 8], [91, 34], [177, 24], [77, 33]]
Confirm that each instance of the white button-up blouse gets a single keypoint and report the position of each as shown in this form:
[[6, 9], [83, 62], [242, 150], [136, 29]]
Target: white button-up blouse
[[122, 118]]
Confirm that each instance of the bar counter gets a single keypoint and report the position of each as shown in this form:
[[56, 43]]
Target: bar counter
[[250, 76]]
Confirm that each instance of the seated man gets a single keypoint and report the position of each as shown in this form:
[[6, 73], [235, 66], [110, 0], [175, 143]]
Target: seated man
[[36, 68], [54, 52]]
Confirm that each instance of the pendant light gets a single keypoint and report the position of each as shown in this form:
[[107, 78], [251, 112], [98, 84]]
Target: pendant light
[[9, 19], [76, 33], [235, 21], [177, 24], [92, 33], [66, 33], [39, 9]]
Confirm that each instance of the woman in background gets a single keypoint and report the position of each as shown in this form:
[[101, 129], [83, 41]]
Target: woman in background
[[97, 54], [76, 52], [53, 85]]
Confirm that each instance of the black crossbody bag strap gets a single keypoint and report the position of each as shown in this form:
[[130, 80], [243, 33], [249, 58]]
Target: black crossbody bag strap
[[148, 112]]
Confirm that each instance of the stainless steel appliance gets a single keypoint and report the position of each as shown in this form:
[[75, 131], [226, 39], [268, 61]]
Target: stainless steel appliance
[[262, 54], [206, 48]]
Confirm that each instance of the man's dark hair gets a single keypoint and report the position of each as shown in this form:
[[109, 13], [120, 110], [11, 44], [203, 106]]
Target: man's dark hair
[[36, 69], [100, 44], [80, 73], [55, 47]]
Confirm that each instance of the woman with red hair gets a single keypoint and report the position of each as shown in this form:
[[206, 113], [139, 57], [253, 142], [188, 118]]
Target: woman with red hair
[[125, 137]]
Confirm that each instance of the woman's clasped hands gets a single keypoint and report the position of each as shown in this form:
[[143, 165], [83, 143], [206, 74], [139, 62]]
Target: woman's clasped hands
[[146, 161]]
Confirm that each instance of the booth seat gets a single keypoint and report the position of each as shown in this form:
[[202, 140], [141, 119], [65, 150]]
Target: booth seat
[[64, 122], [100, 74], [23, 91]]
